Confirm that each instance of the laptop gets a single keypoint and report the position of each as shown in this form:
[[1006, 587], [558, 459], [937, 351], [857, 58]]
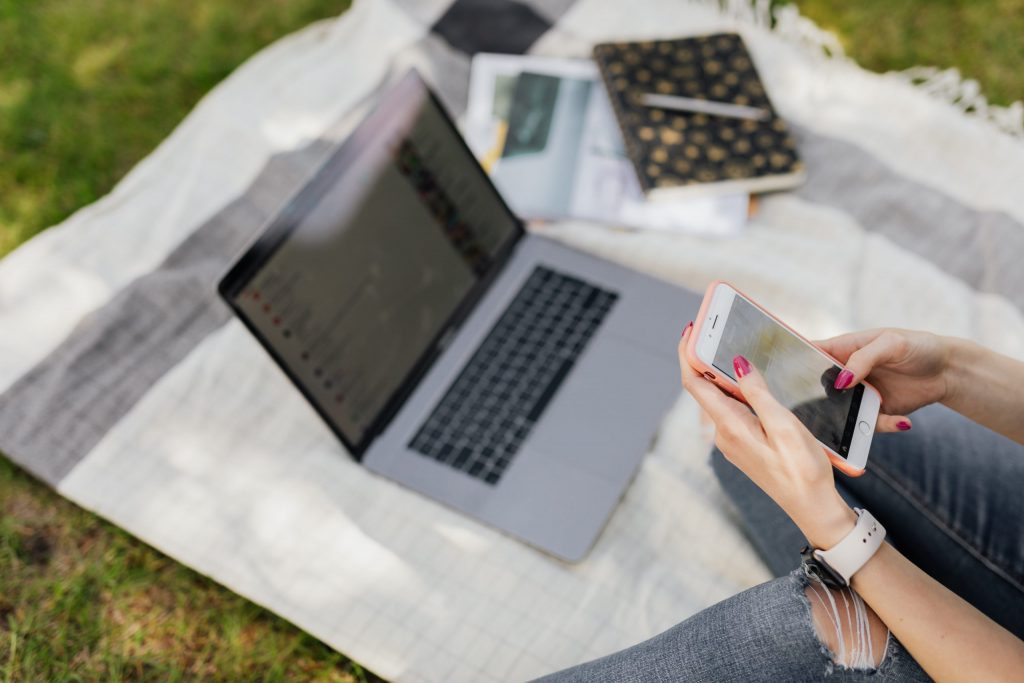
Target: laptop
[[498, 372]]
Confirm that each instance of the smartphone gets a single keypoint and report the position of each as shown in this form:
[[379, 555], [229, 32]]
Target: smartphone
[[800, 375]]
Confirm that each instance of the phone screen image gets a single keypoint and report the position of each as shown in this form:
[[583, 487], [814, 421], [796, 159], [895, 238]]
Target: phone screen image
[[799, 377]]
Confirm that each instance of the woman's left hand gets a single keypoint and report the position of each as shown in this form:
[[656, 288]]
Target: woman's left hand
[[774, 449]]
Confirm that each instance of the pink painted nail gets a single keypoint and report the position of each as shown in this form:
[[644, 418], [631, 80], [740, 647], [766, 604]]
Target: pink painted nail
[[903, 425], [742, 366], [688, 326], [844, 379]]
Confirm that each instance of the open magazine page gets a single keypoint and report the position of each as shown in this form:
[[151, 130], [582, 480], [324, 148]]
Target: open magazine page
[[538, 167], [545, 131]]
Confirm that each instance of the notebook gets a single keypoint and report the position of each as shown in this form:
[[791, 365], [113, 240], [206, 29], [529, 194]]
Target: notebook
[[677, 153]]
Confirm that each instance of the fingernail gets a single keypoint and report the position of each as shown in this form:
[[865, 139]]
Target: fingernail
[[688, 326], [903, 425], [742, 366], [843, 380]]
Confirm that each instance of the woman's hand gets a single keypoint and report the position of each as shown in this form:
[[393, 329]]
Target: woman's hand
[[773, 449], [949, 638], [910, 369]]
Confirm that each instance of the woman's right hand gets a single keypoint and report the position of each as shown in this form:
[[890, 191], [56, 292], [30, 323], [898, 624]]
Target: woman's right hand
[[910, 369]]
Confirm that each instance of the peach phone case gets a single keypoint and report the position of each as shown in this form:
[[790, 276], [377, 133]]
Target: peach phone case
[[727, 385]]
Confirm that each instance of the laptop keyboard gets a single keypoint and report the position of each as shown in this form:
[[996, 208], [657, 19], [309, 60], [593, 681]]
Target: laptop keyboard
[[493, 404]]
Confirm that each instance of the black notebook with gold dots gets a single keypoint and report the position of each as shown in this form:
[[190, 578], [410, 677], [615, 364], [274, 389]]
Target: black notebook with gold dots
[[681, 152]]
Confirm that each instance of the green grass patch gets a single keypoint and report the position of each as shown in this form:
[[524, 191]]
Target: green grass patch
[[982, 38], [89, 87]]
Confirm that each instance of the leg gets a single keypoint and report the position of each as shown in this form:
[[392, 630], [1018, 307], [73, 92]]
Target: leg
[[847, 626], [767, 633]]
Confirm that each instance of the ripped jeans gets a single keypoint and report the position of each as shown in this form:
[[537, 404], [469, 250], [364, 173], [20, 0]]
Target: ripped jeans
[[761, 634], [951, 496]]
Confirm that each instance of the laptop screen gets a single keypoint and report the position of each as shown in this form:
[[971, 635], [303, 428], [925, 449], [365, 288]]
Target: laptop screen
[[381, 253]]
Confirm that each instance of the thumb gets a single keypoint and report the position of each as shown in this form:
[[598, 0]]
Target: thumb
[[861, 362], [893, 423]]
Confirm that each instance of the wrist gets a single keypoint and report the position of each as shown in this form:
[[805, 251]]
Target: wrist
[[957, 361], [877, 559], [826, 523]]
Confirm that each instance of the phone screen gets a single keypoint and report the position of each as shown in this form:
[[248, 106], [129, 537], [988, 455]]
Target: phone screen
[[800, 377]]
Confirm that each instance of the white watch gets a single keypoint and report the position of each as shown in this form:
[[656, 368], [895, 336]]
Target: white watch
[[837, 565]]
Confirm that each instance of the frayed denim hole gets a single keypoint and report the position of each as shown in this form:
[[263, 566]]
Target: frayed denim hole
[[889, 654], [801, 581]]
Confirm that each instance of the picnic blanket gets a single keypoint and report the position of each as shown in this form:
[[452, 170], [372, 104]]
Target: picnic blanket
[[128, 387]]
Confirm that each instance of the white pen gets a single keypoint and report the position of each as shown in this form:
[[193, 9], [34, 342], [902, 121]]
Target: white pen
[[735, 111]]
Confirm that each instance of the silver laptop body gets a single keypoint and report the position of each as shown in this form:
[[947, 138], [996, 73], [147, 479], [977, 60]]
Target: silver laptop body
[[498, 372]]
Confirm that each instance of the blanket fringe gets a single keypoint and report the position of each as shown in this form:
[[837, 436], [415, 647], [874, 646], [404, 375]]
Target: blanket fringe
[[946, 85]]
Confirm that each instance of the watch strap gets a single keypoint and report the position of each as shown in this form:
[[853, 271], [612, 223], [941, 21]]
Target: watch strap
[[856, 548]]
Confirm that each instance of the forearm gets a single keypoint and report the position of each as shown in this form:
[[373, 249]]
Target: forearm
[[987, 387], [948, 637]]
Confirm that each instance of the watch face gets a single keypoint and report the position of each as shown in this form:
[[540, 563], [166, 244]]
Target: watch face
[[819, 569]]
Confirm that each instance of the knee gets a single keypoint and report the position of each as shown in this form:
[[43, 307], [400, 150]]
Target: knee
[[850, 630]]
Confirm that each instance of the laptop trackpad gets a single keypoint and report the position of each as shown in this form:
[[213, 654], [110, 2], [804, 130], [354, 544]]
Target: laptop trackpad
[[606, 414]]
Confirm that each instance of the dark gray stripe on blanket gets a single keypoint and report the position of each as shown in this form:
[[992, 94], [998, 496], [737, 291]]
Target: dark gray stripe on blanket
[[981, 248], [55, 414]]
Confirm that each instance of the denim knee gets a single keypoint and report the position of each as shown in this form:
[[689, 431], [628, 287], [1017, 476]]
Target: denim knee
[[765, 633]]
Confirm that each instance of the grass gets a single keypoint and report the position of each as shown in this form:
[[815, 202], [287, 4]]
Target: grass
[[87, 89], [982, 38]]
